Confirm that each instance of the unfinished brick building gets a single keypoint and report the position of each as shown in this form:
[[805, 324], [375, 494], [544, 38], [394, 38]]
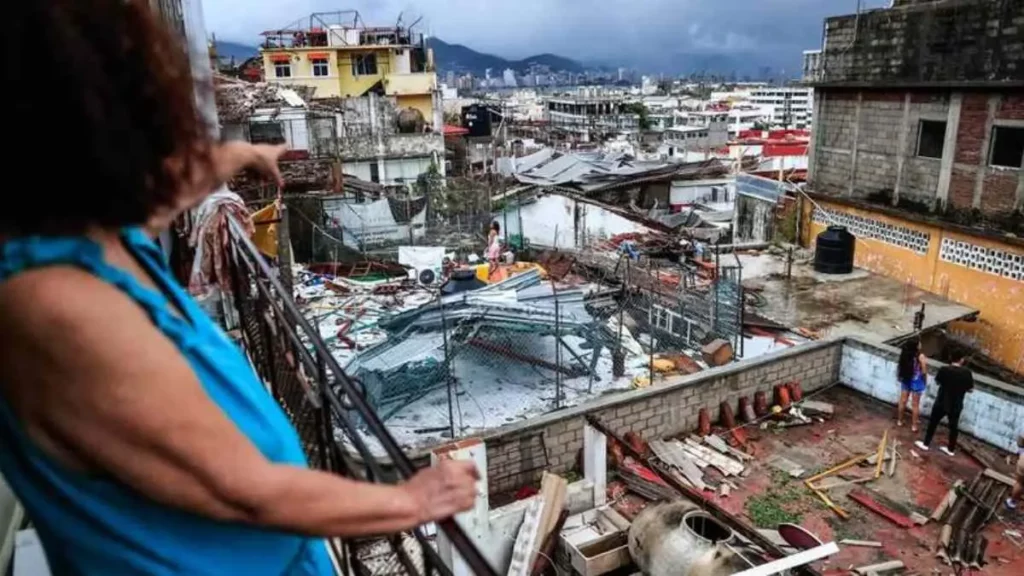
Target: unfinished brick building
[[918, 148], [922, 105]]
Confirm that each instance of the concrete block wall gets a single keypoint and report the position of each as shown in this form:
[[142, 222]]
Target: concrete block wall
[[918, 41], [994, 412], [867, 144], [518, 453]]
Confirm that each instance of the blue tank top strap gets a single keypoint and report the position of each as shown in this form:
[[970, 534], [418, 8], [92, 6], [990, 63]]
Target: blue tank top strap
[[22, 254]]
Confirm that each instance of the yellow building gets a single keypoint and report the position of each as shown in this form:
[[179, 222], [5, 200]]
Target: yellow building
[[983, 272], [349, 60]]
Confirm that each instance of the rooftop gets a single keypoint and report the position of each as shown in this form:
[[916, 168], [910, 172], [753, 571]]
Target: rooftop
[[862, 303]]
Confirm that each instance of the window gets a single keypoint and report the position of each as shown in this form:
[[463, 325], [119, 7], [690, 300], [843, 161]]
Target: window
[[283, 69], [374, 172], [1007, 147], [930, 138], [364, 65], [320, 67], [266, 133]]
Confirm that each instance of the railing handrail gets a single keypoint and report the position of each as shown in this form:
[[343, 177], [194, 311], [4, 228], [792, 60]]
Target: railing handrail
[[462, 543]]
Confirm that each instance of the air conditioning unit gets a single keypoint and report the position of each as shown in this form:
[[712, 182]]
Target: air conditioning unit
[[428, 277]]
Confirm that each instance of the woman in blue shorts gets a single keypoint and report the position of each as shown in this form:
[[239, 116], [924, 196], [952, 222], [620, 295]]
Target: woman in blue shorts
[[912, 372]]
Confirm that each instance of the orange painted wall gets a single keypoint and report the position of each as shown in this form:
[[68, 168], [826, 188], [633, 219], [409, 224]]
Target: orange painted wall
[[999, 331]]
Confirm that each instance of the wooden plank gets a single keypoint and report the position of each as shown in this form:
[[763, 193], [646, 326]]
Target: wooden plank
[[718, 444], [792, 561], [880, 567], [839, 468], [673, 456], [720, 461], [522, 550], [830, 483], [881, 453], [990, 473], [861, 543], [828, 502], [895, 456], [890, 515], [946, 502]]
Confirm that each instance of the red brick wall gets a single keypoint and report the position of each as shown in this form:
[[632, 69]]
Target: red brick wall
[[961, 188], [1011, 108], [999, 192], [971, 132]]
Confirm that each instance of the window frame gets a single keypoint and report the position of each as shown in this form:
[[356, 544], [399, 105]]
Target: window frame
[[990, 161], [920, 137], [277, 69], [315, 63], [260, 140], [359, 66]]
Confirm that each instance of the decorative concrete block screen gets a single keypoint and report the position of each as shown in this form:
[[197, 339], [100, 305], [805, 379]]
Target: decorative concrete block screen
[[994, 412], [862, 227], [993, 261], [518, 453]]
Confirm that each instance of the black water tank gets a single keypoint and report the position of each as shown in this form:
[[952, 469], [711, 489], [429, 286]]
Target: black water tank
[[833, 252]]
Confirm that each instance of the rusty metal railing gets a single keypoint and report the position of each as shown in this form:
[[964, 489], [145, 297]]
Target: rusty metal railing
[[328, 409]]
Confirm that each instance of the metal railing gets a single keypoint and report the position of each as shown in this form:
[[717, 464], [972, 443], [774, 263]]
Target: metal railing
[[327, 408]]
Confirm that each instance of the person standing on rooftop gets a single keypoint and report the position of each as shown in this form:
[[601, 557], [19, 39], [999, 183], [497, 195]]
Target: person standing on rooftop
[[136, 435], [955, 382], [912, 373]]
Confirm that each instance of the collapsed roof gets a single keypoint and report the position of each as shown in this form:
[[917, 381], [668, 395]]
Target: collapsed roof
[[596, 171], [411, 362]]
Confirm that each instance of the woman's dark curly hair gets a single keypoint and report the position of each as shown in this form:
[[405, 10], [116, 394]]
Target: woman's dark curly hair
[[104, 117]]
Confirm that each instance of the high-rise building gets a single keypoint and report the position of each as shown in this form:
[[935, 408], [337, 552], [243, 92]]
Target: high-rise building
[[509, 76]]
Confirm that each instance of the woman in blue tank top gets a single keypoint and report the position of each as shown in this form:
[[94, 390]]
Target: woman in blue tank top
[[135, 434]]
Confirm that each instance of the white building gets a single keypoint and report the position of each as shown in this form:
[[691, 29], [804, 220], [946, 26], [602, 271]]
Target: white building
[[790, 107], [509, 77]]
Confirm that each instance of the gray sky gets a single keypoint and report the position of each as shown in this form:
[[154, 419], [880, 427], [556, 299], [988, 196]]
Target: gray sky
[[616, 31]]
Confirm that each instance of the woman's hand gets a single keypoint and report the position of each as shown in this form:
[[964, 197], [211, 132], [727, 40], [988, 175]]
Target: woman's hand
[[233, 157], [443, 490]]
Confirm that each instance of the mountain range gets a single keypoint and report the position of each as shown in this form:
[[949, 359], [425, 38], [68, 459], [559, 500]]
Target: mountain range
[[461, 59]]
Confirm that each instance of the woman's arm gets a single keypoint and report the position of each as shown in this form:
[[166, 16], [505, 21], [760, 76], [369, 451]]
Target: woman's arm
[[922, 360], [98, 388]]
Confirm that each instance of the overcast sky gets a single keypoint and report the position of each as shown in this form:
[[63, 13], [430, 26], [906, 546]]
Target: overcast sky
[[604, 30]]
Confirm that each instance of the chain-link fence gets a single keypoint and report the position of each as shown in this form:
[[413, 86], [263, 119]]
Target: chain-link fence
[[474, 347]]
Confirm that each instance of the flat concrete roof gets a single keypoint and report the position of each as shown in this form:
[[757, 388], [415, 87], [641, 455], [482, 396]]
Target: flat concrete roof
[[863, 304]]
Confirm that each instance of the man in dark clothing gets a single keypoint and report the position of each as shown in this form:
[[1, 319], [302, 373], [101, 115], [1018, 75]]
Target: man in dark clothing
[[955, 382]]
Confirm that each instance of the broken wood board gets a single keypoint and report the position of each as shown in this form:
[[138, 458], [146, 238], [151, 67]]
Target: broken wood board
[[830, 483], [675, 456], [552, 493], [873, 505], [828, 502], [881, 453], [840, 467], [879, 568], [786, 465], [792, 561], [724, 463], [894, 458], [526, 539], [947, 501], [990, 473], [861, 543], [718, 444]]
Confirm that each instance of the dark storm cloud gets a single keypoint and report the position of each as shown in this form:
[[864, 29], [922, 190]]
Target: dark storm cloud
[[627, 31]]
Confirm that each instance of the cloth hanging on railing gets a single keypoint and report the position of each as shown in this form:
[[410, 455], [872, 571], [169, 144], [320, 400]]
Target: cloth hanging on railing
[[209, 240]]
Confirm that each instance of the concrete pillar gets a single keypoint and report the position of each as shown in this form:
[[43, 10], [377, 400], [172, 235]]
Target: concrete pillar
[[595, 462], [813, 145], [979, 177], [901, 148], [853, 147], [949, 149], [474, 521]]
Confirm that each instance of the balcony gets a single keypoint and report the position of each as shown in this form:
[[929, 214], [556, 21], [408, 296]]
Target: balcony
[[326, 407]]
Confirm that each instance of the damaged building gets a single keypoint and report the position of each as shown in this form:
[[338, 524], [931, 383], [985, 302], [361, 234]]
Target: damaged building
[[918, 148]]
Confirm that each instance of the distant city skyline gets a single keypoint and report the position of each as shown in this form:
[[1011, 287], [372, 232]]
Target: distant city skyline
[[646, 34]]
